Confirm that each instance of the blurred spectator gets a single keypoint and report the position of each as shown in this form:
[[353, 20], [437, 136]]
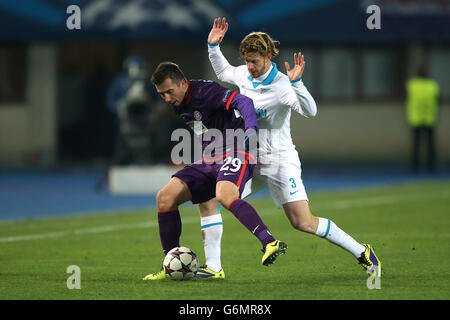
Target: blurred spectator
[[141, 119], [131, 97], [422, 115]]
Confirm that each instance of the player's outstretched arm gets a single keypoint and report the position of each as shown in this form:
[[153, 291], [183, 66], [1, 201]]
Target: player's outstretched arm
[[223, 70], [299, 66], [218, 31], [300, 100]]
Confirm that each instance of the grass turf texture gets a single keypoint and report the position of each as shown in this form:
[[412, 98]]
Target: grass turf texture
[[409, 226]]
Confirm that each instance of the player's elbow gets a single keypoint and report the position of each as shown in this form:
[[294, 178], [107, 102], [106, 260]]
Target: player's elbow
[[311, 112], [223, 75], [220, 76]]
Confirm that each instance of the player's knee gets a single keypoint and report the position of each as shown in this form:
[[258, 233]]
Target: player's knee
[[226, 194], [164, 201], [223, 199]]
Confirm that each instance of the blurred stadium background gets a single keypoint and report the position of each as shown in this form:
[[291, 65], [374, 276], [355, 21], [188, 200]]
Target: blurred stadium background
[[58, 135]]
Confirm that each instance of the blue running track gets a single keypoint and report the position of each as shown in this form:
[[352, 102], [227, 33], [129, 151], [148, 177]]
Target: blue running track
[[26, 195]]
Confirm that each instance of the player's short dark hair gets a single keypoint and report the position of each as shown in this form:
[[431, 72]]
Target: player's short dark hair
[[166, 70]]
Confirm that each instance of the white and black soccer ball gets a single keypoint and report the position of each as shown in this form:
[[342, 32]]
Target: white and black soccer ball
[[180, 263]]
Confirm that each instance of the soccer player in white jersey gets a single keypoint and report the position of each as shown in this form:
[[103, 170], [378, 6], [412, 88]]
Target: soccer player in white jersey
[[274, 95]]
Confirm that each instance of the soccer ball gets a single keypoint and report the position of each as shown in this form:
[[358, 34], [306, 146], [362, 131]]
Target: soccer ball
[[180, 263]]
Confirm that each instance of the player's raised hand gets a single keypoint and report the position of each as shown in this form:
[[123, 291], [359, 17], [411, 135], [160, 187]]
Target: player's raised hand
[[299, 66], [218, 31]]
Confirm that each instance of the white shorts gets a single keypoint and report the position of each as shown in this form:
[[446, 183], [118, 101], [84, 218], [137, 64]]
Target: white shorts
[[282, 175]]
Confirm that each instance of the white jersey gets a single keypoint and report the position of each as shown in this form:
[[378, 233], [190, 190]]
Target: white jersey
[[273, 95]]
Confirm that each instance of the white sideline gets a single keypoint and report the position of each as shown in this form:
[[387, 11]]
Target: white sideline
[[336, 205], [100, 229]]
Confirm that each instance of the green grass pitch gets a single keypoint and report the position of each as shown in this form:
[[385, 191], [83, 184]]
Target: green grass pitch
[[408, 225]]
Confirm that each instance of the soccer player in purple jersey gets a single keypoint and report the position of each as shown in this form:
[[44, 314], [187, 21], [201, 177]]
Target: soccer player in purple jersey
[[206, 105]]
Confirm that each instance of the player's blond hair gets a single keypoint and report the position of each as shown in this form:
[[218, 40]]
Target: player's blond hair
[[259, 42]]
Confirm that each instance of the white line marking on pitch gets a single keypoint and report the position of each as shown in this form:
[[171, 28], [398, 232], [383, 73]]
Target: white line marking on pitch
[[94, 230]]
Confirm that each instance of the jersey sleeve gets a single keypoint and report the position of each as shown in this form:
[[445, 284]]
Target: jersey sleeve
[[223, 70], [297, 97], [223, 98], [246, 109]]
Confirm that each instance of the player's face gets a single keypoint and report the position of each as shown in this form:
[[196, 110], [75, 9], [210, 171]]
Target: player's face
[[257, 65], [172, 92]]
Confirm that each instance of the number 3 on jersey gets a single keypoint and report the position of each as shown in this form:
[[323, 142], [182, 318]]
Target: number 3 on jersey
[[235, 163], [293, 185]]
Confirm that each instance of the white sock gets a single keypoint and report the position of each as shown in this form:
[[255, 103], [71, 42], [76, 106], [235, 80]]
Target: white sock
[[212, 229], [329, 230]]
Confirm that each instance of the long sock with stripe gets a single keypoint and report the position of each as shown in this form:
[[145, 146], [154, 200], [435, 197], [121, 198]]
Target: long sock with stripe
[[327, 229], [246, 215], [212, 229], [169, 229]]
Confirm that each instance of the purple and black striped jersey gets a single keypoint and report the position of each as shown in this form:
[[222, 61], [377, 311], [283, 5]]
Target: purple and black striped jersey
[[209, 105]]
